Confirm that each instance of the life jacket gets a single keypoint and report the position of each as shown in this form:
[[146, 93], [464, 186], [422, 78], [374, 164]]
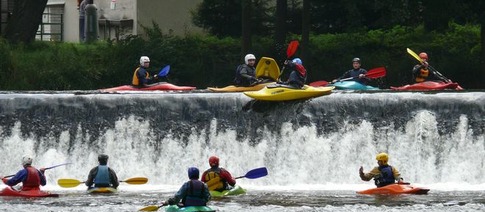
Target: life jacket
[[102, 177], [32, 181], [422, 75], [195, 194], [386, 177], [214, 180], [239, 80], [135, 80]]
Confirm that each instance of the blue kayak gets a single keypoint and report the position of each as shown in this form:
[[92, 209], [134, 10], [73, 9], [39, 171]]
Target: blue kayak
[[175, 208], [351, 85]]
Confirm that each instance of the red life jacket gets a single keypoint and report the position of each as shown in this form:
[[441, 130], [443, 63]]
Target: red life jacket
[[32, 181]]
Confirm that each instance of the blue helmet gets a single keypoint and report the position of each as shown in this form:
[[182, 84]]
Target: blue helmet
[[297, 61], [193, 173]]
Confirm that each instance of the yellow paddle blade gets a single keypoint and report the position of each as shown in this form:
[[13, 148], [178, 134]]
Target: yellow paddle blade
[[150, 208], [412, 53], [68, 183], [136, 180]]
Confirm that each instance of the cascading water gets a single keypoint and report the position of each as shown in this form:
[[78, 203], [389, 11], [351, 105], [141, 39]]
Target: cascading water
[[431, 138]]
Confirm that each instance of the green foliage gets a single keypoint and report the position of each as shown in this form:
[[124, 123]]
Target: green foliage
[[204, 61]]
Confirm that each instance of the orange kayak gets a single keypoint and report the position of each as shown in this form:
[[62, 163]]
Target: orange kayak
[[394, 189]]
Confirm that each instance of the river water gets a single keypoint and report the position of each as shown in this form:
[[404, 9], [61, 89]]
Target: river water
[[312, 148]]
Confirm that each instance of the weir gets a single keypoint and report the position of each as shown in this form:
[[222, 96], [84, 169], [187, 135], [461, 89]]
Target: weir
[[430, 137]]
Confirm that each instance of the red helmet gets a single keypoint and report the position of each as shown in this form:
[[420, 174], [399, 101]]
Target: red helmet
[[213, 161], [423, 55]]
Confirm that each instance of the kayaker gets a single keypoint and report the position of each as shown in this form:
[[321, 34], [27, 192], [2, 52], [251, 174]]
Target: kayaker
[[217, 178], [30, 177], [246, 73], [102, 175], [422, 72], [356, 73], [141, 76], [384, 174], [297, 78], [193, 192]]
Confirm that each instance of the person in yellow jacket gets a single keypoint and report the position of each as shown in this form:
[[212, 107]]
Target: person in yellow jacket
[[384, 174], [141, 77]]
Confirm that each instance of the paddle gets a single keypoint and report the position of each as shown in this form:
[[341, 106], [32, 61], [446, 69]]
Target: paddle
[[70, 183], [373, 74], [255, 173], [63, 164], [412, 53], [164, 71], [153, 207], [290, 51]]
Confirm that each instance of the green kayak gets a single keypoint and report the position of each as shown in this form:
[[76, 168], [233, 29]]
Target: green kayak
[[175, 208], [234, 191]]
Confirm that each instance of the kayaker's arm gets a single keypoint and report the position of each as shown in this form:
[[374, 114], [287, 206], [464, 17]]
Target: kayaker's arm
[[114, 178], [92, 174], [368, 176], [396, 174]]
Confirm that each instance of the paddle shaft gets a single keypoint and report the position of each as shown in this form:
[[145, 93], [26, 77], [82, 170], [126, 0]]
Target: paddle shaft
[[290, 51], [63, 164]]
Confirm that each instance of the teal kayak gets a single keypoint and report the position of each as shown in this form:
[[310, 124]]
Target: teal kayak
[[351, 85], [234, 191], [175, 208]]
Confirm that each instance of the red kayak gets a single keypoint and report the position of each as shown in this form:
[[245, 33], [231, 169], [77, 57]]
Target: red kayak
[[395, 189], [162, 86], [8, 191], [430, 85]]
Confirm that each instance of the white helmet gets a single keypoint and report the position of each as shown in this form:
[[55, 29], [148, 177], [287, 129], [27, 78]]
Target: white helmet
[[144, 59], [26, 160], [249, 57]]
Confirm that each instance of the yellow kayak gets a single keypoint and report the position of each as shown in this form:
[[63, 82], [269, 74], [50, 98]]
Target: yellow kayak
[[232, 88], [102, 190], [283, 93]]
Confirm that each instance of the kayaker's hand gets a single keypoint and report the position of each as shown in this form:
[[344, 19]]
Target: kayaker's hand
[[334, 81], [361, 75], [361, 171], [171, 201], [4, 180], [155, 76], [42, 170]]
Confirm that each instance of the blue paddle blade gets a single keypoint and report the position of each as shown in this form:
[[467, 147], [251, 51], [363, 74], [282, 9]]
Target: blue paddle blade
[[257, 173], [164, 71]]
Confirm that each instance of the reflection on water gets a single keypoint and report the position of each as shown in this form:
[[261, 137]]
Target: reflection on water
[[256, 201]]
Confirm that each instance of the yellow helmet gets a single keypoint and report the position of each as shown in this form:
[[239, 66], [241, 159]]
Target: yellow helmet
[[382, 156]]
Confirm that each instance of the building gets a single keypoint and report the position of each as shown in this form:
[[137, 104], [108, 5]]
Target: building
[[116, 18]]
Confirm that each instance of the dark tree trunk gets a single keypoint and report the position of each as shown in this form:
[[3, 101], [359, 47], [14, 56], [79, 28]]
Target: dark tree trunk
[[482, 58], [25, 20], [246, 26], [305, 31], [280, 28]]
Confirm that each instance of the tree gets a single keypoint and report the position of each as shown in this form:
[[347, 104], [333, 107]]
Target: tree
[[280, 26], [24, 23], [223, 17], [246, 26]]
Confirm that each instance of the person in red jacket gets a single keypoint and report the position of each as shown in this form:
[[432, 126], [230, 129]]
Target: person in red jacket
[[217, 178], [30, 177]]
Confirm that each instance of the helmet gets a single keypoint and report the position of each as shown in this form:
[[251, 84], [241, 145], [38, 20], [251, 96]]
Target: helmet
[[103, 159], [26, 160], [356, 60], [297, 61], [144, 59], [423, 55], [249, 57], [382, 157], [213, 161], [193, 173]]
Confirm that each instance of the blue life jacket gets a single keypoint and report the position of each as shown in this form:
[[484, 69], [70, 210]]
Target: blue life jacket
[[102, 177], [386, 177], [195, 194]]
